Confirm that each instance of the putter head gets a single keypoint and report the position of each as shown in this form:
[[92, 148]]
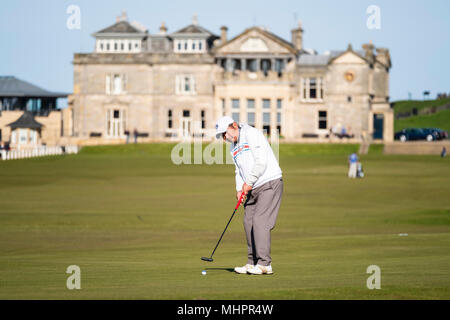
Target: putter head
[[207, 259]]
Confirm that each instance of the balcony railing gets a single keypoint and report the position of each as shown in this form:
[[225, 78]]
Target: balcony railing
[[239, 75]]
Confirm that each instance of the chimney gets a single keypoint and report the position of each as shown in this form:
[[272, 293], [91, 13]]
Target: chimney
[[384, 57], [162, 28], [297, 36], [223, 34], [122, 17], [368, 49]]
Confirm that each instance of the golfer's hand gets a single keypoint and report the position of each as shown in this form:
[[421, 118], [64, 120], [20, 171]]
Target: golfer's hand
[[238, 196], [246, 188]]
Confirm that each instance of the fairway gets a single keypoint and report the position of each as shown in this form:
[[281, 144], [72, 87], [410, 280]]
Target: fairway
[[137, 225]]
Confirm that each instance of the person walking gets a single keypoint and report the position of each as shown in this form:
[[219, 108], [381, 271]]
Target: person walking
[[259, 177], [135, 133], [352, 162]]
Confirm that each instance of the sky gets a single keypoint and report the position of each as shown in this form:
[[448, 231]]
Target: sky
[[37, 46]]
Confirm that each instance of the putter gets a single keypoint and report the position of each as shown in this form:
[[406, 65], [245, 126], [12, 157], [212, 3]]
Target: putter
[[210, 259]]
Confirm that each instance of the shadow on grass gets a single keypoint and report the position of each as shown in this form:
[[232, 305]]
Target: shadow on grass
[[225, 269]]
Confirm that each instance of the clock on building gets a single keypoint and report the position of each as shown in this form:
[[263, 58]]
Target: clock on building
[[349, 76]]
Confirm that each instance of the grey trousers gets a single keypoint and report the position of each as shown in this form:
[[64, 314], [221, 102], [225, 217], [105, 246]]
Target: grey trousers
[[261, 211]]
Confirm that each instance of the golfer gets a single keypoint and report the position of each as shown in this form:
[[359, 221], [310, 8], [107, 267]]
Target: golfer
[[258, 176], [352, 165]]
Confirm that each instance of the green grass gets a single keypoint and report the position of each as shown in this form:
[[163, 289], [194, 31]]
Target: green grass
[[137, 226], [376, 149], [439, 119], [408, 105]]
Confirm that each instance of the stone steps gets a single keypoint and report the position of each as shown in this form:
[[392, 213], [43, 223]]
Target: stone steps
[[364, 148]]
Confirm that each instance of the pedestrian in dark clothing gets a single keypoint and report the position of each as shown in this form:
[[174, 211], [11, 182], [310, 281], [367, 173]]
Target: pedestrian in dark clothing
[[135, 133]]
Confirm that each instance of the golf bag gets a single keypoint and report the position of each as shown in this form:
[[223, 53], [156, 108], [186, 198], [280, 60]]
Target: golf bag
[[359, 170]]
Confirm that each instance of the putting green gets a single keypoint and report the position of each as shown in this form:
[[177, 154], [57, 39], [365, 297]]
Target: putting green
[[137, 226]]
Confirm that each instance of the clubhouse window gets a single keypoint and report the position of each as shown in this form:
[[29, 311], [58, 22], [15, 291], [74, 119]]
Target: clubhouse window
[[266, 122], [311, 89], [202, 114], [251, 65], [279, 104], [279, 65], [169, 121], [322, 119], [251, 119], [279, 122], [189, 45], [115, 83], [185, 84]]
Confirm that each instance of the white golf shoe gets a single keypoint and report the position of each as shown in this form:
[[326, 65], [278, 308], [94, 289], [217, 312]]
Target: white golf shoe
[[259, 269], [244, 269]]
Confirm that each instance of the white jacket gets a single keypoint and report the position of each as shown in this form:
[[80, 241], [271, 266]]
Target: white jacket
[[254, 159]]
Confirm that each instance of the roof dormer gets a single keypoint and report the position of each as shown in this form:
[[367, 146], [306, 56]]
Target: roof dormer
[[192, 39], [121, 37]]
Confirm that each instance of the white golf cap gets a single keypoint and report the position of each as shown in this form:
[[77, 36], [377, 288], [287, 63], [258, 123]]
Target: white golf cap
[[222, 125]]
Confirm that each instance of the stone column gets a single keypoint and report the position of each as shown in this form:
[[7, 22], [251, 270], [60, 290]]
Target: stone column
[[228, 64], [243, 64], [258, 112], [318, 87], [243, 110], [273, 114], [388, 126], [370, 131], [258, 64]]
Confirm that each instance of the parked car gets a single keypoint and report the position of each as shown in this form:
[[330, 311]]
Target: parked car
[[414, 134], [438, 133]]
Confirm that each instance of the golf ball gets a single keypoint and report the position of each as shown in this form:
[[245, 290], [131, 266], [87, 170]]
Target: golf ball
[[204, 272]]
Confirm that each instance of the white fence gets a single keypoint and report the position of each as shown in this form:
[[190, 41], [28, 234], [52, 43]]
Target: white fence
[[38, 152]]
